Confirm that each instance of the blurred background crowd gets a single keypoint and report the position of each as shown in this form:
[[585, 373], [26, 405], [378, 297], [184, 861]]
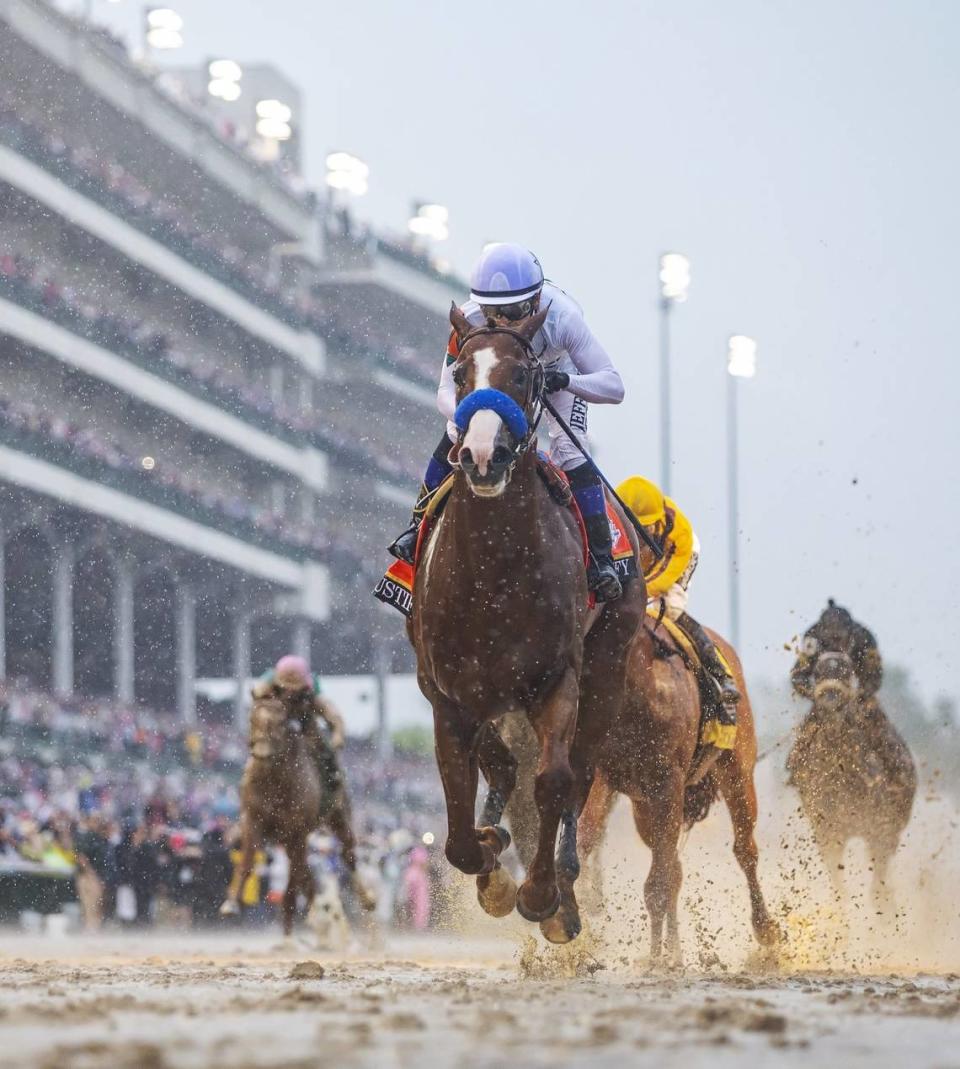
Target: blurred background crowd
[[117, 816]]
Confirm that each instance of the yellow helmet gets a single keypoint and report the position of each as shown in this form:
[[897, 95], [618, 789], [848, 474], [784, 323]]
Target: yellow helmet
[[644, 499]]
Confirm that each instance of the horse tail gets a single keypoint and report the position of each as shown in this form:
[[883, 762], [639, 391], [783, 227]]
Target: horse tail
[[697, 799]]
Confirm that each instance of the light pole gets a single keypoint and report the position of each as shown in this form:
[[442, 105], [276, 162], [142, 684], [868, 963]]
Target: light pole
[[741, 364], [674, 285]]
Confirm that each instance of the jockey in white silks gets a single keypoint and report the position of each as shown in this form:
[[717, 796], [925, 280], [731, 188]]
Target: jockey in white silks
[[508, 284]]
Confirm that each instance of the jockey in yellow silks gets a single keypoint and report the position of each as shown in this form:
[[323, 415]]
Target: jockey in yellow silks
[[669, 578]]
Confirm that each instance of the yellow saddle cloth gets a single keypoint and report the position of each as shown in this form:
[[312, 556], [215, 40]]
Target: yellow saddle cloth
[[712, 732]]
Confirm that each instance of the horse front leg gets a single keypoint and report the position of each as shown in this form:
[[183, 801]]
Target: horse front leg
[[565, 924], [298, 878], [882, 849], [496, 890], [249, 843], [555, 723], [340, 822], [468, 849]]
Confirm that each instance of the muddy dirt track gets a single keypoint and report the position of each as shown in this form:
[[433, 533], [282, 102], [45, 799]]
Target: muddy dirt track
[[185, 1002], [853, 987]]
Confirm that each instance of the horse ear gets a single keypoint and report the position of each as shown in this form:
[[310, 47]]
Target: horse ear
[[528, 327], [460, 322]]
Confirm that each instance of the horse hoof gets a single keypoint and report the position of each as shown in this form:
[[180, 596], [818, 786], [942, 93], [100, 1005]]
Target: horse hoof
[[769, 934], [536, 915], [496, 837], [497, 892], [230, 908], [562, 927]]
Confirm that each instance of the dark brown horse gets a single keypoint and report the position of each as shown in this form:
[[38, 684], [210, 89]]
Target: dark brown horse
[[281, 802], [648, 754], [854, 773], [501, 622]]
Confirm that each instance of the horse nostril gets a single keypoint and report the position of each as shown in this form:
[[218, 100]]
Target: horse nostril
[[501, 455], [465, 458]]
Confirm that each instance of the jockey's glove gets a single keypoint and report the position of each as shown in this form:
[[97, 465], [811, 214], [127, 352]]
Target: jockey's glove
[[554, 381]]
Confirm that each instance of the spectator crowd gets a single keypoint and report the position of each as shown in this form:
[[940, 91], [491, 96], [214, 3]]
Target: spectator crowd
[[30, 426], [36, 286], [135, 816]]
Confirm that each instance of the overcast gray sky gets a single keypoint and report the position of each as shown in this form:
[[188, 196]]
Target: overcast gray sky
[[804, 156]]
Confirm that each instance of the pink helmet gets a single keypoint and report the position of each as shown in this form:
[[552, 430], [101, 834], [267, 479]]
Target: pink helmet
[[292, 672]]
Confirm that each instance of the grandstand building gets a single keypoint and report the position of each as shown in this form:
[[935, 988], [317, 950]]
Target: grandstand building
[[216, 395]]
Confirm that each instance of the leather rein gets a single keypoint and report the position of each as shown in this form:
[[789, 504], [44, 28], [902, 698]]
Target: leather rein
[[533, 401]]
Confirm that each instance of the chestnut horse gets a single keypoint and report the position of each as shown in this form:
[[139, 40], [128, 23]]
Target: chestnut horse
[[854, 774], [648, 754], [281, 801], [501, 623]]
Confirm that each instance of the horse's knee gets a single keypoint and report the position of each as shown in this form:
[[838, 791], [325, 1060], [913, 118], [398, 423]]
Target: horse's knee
[[554, 784]]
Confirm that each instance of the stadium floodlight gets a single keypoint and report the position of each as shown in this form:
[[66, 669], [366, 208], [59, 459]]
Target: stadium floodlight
[[430, 221], [164, 28], [674, 276], [274, 130], [225, 75], [223, 89], [226, 69], [273, 120], [741, 356], [273, 109], [347, 173]]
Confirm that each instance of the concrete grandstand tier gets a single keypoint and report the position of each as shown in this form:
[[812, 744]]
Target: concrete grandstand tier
[[205, 370]]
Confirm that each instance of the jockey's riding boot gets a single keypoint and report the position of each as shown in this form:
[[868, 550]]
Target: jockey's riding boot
[[587, 488], [715, 666], [602, 575], [405, 546]]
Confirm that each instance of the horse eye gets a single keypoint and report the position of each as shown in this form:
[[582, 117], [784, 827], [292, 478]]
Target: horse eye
[[520, 376], [459, 377]]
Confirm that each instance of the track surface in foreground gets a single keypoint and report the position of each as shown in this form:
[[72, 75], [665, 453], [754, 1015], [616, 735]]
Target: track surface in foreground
[[189, 1001]]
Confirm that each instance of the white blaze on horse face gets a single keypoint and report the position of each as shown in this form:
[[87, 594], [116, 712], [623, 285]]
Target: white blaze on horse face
[[484, 361], [481, 436]]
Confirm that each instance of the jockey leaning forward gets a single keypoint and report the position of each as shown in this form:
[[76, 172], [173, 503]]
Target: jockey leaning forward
[[669, 580], [291, 681], [508, 285]]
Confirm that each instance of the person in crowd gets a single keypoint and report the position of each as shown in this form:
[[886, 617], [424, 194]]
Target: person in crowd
[[416, 889], [95, 870], [211, 877]]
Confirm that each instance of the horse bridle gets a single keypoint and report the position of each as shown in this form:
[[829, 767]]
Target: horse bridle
[[534, 393]]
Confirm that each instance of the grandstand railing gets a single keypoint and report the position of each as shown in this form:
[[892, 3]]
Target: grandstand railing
[[27, 296], [143, 485], [30, 142], [26, 140]]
